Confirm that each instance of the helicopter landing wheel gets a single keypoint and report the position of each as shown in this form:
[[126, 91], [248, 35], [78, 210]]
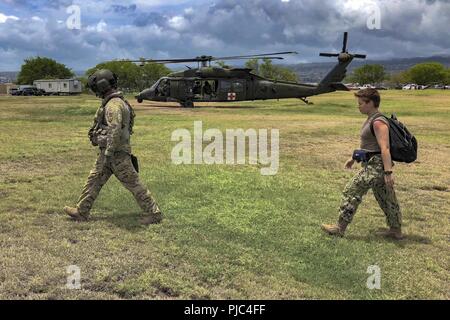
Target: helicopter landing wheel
[[187, 104]]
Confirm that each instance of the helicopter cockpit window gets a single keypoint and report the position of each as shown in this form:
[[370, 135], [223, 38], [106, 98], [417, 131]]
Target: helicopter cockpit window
[[155, 85], [163, 88]]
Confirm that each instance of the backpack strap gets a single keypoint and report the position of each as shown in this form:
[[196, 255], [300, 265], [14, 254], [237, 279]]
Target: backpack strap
[[373, 120]]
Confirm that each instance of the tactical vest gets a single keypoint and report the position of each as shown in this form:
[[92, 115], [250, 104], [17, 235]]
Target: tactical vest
[[98, 132]]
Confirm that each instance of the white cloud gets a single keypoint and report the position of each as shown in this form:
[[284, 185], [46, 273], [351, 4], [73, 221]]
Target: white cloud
[[206, 42], [99, 27], [4, 17], [178, 22], [228, 27]]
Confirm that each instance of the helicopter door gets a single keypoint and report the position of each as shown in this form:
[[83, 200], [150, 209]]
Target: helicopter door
[[224, 89], [185, 90], [238, 90], [209, 90], [232, 90]]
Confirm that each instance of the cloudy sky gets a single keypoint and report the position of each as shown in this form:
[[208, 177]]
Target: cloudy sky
[[187, 28]]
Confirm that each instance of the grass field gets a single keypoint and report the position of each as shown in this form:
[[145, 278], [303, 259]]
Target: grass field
[[229, 232]]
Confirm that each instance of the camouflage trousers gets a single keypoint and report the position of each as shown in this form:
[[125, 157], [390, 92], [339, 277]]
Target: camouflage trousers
[[371, 176], [121, 166]]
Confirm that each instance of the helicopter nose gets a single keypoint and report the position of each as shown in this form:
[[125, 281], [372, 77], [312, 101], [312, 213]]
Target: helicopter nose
[[146, 94]]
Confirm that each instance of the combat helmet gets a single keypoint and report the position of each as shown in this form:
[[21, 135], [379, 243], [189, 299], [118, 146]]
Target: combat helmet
[[102, 81]]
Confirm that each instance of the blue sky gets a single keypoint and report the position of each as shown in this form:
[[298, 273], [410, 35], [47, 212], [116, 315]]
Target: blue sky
[[187, 28]]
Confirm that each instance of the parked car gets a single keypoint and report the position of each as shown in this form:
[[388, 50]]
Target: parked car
[[411, 86], [32, 92], [352, 86], [14, 92], [367, 86]]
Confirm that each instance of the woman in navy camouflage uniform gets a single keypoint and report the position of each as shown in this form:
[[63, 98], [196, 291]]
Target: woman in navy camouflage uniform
[[376, 172]]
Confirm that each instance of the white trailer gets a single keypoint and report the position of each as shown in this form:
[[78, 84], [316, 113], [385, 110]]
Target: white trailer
[[59, 86]]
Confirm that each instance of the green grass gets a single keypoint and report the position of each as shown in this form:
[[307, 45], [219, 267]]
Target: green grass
[[229, 232]]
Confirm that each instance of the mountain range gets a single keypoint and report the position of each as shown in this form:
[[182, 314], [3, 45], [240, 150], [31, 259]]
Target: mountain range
[[314, 72]]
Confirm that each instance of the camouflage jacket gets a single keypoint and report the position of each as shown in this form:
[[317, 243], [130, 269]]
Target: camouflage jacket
[[113, 125]]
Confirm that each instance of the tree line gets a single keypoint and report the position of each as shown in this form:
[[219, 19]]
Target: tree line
[[427, 73], [132, 77]]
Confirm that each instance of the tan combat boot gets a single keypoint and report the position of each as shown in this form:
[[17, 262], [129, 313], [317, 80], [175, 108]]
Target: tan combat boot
[[335, 229], [152, 218], [393, 233], [75, 214]]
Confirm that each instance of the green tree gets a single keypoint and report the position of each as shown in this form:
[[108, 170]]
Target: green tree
[[83, 81], [447, 78], [222, 64], [42, 68], [270, 71], [285, 74], [151, 72], [428, 73], [368, 74], [399, 78], [253, 64], [131, 76]]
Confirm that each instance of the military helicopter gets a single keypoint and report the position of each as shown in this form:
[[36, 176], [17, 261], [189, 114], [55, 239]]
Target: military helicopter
[[215, 84]]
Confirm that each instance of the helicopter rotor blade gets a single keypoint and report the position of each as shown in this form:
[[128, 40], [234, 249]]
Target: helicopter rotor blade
[[344, 43], [255, 55], [360, 56], [247, 58], [208, 58], [329, 54], [162, 61], [199, 60]]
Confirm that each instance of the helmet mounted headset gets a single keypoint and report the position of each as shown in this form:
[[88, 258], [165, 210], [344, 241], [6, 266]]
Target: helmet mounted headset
[[102, 81]]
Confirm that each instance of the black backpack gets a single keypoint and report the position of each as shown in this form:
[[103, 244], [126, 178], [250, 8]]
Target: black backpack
[[403, 145]]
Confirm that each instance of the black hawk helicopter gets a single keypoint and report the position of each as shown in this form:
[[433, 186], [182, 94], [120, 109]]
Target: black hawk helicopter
[[215, 84]]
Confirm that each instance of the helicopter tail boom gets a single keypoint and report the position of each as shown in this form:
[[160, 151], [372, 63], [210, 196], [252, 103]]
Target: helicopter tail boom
[[339, 86]]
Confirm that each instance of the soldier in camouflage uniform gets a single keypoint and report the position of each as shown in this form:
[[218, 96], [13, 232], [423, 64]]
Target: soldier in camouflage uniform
[[376, 172], [113, 125]]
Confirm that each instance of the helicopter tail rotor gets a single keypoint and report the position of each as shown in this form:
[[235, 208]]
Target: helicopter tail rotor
[[344, 55], [333, 80]]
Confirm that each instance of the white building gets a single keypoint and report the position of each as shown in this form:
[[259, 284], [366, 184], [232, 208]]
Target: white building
[[59, 86]]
